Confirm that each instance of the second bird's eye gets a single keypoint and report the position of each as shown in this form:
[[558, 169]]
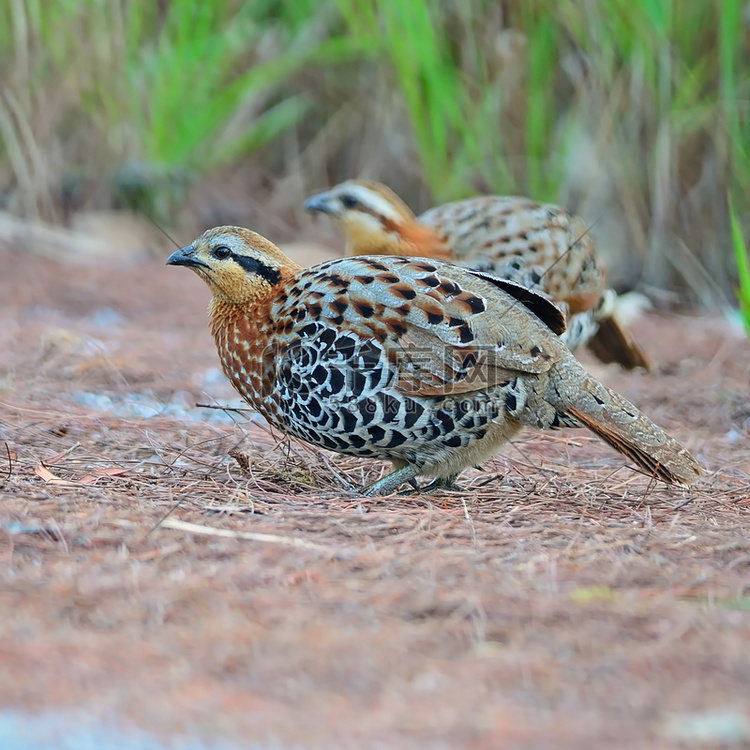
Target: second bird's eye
[[221, 253], [349, 201]]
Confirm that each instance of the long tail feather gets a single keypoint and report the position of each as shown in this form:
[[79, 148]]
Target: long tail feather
[[663, 457], [620, 424]]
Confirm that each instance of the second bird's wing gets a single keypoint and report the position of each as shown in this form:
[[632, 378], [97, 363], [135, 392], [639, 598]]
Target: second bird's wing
[[538, 245]]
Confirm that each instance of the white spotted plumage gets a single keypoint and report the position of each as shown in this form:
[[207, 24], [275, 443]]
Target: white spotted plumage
[[429, 365]]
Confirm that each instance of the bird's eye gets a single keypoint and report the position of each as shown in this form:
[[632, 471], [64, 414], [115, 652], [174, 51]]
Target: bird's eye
[[221, 253], [349, 201]]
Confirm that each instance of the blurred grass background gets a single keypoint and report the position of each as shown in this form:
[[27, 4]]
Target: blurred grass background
[[633, 113]]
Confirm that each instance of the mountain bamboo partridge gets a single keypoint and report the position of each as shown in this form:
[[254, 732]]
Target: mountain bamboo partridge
[[429, 365], [540, 246]]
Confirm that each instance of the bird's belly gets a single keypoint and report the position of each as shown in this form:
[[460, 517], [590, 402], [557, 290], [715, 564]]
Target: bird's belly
[[439, 435], [341, 392]]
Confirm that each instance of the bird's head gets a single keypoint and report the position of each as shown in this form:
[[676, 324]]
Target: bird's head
[[238, 265], [373, 218]]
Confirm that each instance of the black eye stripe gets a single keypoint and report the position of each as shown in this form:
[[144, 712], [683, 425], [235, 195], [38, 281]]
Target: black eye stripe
[[254, 266]]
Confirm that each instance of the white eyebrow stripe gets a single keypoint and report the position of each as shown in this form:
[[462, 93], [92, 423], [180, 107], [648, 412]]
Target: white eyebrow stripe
[[375, 202]]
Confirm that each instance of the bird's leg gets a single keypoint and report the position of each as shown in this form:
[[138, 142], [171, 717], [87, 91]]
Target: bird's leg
[[390, 483]]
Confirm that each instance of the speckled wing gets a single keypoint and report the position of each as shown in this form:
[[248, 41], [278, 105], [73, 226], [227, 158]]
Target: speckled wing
[[538, 245], [419, 327]]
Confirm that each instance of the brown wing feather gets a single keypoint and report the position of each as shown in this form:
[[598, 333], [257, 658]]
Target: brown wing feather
[[485, 336]]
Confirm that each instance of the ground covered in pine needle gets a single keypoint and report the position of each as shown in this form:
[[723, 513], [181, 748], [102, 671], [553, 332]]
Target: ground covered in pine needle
[[182, 571]]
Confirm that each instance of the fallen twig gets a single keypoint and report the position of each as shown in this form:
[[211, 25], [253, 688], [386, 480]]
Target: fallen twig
[[223, 408], [253, 536]]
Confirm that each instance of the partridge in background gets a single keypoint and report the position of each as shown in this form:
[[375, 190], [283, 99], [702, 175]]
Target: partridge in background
[[539, 246], [429, 365]]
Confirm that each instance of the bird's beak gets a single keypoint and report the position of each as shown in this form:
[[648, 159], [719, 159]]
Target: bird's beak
[[185, 257], [319, 203]]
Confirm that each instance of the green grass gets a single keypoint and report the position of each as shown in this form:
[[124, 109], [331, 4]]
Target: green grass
[[194, 96], [180, 91], [637, 110], [742, 259], [448, 113]]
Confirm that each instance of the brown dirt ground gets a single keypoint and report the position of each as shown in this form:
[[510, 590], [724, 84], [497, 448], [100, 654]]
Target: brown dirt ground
[[563, 601]]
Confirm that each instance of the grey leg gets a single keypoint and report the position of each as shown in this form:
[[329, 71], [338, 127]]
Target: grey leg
[[390, 483]]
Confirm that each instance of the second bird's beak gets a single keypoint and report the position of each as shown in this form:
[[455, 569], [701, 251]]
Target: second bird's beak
[[319, 203], [185, 257]]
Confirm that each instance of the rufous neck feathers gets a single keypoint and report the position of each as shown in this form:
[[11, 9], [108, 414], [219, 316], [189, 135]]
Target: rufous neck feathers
[[405, 238]]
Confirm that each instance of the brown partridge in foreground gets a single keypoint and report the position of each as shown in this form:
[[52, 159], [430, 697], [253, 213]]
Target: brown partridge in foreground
[[539, 246], [429, 365]]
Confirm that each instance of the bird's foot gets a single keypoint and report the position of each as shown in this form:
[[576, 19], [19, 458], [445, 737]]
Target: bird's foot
[[436, 485], [442, 483]]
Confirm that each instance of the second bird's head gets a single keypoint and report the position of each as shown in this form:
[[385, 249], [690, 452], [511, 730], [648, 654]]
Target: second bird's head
[[238, 265], [371, 216]]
